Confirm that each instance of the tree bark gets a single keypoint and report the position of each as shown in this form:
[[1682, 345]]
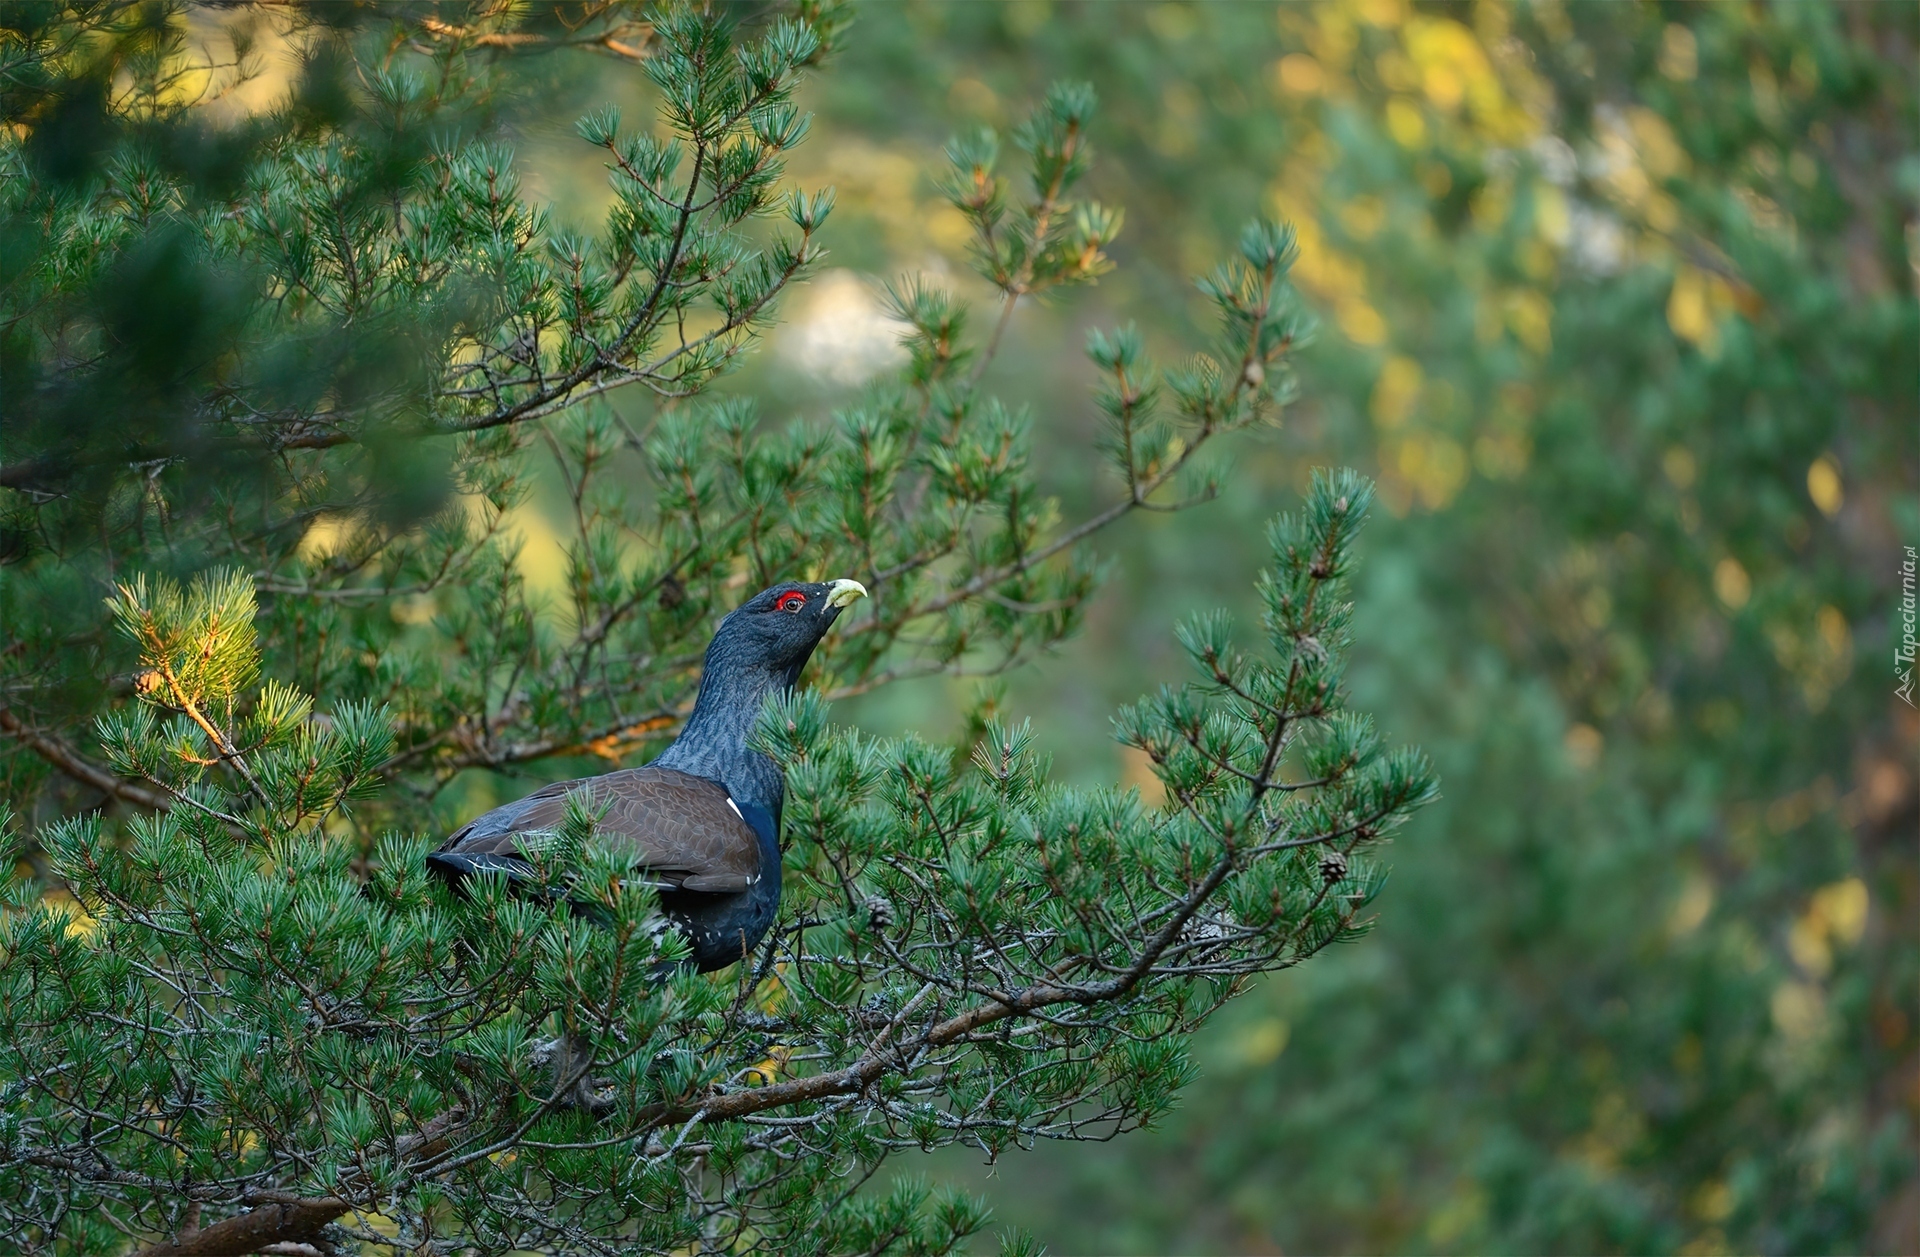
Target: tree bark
[[72, 763], [284, 1219], [289, 1221]]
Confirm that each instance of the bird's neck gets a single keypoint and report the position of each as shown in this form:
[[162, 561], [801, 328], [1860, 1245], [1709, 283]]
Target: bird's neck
[[713, 744]]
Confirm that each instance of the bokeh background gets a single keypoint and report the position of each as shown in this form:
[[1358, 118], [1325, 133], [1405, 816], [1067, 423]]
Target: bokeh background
[[1617, 302]]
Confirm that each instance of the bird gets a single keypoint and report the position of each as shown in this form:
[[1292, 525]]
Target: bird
[[703, 818]]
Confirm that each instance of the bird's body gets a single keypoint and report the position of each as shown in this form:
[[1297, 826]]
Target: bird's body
[[704, 818]]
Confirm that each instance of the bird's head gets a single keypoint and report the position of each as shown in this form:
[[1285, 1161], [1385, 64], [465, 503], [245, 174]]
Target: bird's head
[[779, 627]]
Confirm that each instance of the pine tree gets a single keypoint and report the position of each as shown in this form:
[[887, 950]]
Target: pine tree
[[235, 1013]]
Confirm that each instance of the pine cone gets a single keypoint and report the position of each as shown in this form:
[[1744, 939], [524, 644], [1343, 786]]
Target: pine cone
[[1333, 866], [1209, 936]]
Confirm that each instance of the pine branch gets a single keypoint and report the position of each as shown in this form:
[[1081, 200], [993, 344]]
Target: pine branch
[[279, 1218], [78, 767], [270, 1223]]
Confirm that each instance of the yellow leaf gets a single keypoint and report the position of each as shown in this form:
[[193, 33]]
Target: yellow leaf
[[1798, 1010], [1693, 906], [1842, 908], [1382, 12], [1395, 392], [1361, 322], [1299, 75], [326, 536], [1678, 463], [1405, 123], [1731, 583], [1688, 313], [1712, 1202], [1264, 1041], [1653, 139], [1445, 470], [1807, 944], [1834, 632], [1550, 216], [1530, 315], [1823, 485], [1679, 53]]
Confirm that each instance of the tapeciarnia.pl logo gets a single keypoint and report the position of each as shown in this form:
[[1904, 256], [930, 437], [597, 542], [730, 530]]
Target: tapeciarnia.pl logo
[[1903, 650]]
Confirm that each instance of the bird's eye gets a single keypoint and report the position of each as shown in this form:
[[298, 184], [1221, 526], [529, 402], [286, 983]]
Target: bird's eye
[[792, 600]]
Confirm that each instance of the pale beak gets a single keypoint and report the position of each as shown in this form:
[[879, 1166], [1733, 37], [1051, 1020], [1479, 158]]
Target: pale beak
[[842, 592]]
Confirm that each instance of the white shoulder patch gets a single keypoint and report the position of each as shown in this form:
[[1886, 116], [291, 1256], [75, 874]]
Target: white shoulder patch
[[735, 807]]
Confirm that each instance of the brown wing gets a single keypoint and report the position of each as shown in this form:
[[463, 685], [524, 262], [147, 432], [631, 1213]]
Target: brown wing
[[684, 828]]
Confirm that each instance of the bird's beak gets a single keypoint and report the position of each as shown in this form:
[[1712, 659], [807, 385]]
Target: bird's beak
[[842, 592]]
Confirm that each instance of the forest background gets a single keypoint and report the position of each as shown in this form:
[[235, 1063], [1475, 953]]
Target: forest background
[[1617, 302]]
